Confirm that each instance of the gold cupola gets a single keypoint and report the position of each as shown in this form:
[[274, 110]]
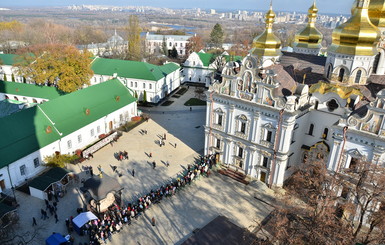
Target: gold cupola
[[309, 37], [377, 13], [357, 36], [267, 44]]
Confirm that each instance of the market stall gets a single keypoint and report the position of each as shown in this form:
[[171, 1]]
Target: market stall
[[81, 220], [54, 181]]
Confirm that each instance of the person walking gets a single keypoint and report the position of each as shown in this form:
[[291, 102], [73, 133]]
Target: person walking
[[150, 154], [153, 221], [153, 165], [164, 136], [56, 219], [55, 205], [42, 214], [91, 171], [34, 221], [133, 173], [175, 145]]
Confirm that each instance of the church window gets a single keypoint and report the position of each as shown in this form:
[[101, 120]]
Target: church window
[[243, 127], [144, 85], [353, 164], [240, 152], [341, 75], [332, 105], [311, 128], [269, 135], [316, 105], [265, 161], [325, 134], [92, 132], [132, 84], [358, 76], [69, 144], [219, 120], [218, 144], [16, 98], [376, 61], [150, 85], [98, 129]]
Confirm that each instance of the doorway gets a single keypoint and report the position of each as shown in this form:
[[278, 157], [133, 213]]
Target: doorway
[[262, 177], [2, 184]]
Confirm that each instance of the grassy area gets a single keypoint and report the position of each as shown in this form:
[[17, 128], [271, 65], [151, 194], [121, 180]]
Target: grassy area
[[176, 96], [194, 102], [167, 103], [182, 91]]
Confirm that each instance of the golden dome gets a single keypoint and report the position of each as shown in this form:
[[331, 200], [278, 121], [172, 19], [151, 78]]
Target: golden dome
[[357, 36], [309, 37], [377, 12], [267, 43]]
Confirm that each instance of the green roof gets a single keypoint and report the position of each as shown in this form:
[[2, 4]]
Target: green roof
[[26, 131], [51, 176], [132, 69], [4, 209], [208, 58], [8, 59], [29, 90]]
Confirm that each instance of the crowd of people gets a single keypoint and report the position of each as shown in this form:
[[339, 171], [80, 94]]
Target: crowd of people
[[113, 220]]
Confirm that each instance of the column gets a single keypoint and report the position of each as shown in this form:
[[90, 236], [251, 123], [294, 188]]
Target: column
[[228, 150], [207, 141], [335, 155], [229, 124], [208, 111], [250, 160], [254, 126]]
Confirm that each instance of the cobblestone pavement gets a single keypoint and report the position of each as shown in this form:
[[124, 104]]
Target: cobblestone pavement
[[177, 216]]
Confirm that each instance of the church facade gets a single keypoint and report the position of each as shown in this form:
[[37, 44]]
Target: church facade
[[275, 110]]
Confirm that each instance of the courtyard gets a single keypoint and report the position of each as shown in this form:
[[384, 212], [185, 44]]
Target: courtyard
[[176, 217]]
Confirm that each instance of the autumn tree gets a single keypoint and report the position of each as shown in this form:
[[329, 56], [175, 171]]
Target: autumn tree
[[216, 36], [134, 43], [330, 207], [195, 44], [88, 34], [57, 65], [59, 160]]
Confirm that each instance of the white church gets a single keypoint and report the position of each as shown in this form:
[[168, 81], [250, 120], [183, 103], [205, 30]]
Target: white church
[[278, 109]]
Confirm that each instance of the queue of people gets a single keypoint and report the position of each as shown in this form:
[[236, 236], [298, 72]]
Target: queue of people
[[113, 220]]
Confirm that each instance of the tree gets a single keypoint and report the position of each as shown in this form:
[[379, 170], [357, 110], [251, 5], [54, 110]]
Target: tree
[[216, 36], [331, 207], [134, 38], [57, 65], [195, 44], [59, 160], [174, 53], [144, 97]]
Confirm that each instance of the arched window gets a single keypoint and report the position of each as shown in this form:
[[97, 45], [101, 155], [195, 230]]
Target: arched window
[[316, 105], [329, 71], [358, 76], [325, 134], [332, 105], [341, 74], [311, 129], [376, 61]]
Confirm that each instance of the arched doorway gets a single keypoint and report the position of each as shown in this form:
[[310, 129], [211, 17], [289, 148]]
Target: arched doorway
[[358, 76]]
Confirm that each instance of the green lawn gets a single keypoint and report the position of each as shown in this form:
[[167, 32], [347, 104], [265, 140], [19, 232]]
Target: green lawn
[[194, 102], [182, 91]]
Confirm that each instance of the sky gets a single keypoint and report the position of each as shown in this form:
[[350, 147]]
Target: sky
[[324, 6]]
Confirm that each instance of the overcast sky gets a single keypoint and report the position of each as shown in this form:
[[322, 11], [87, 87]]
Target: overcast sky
[[324, 6]]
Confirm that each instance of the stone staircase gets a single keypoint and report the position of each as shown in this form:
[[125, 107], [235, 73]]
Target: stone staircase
[[235, 175]]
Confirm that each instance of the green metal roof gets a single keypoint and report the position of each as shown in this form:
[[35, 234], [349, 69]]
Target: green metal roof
[[30, 90], [8, 59], [132, 69], [51, 176], [208, 58], [25, 132]]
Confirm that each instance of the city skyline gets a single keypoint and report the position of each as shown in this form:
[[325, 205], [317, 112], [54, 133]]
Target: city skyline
[[325, 6]]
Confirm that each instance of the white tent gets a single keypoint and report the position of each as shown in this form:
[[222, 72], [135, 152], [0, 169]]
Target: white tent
[[82, 219]]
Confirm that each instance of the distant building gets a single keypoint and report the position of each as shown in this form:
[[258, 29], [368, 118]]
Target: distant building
[[155, 43], [114, 45]]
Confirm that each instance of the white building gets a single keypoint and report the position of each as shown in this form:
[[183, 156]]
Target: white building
[[62, 124], [155, 43], [156, 81], [262, 120], [202, 67]]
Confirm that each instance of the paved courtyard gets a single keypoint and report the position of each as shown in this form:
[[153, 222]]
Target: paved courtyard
[[177, 216]]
